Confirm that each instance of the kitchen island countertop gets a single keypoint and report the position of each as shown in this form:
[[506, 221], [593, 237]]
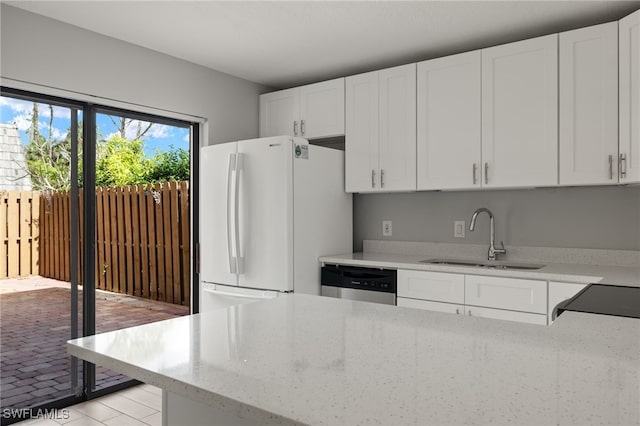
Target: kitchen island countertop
[[315, 360]]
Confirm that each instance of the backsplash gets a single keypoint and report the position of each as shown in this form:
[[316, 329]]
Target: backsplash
[[605, 217]]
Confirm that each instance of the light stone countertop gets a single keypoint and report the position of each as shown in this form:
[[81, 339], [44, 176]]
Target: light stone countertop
[[322, 361], [564, 272]]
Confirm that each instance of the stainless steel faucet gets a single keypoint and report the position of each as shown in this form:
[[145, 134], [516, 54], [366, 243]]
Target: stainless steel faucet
[[493, 251]]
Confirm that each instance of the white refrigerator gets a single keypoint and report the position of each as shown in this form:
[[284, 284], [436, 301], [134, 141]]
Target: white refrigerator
[[269, 208]]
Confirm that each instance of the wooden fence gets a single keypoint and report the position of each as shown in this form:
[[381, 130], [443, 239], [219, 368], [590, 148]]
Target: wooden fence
[[142, 240], [19, 212]]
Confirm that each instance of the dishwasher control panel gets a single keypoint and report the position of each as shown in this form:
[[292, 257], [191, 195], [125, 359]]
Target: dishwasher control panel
[[382, 280]]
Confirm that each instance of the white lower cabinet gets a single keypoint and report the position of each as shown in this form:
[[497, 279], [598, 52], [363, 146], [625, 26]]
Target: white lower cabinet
[[528, 317], [506, 293], [437, 286], [510, 299], [558, 292]]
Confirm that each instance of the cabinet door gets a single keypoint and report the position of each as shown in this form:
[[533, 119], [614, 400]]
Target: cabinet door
[[322, 109], [361, 136], [589, 105], [398, 128], [474, 311], [559, 292], [448, 140], [520, 113], [629, 28], [428, 305], [506, 293], [436, 286], [279, 113]]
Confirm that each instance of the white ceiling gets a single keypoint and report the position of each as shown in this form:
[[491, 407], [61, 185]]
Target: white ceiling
[[284, 44]]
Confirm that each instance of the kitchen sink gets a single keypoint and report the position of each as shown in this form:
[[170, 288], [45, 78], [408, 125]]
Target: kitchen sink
[[494, 264]]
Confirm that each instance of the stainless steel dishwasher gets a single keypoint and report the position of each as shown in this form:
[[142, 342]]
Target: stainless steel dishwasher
[[356, 283]]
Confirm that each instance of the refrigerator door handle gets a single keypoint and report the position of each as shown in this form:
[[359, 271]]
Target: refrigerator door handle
[[239, 168], [230, 169]]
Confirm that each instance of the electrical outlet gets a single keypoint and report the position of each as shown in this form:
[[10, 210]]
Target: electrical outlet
[[387, 230], [458, 229]]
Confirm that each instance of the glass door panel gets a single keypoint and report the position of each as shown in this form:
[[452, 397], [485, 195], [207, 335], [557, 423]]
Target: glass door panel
[[40, 173], [142, 224]]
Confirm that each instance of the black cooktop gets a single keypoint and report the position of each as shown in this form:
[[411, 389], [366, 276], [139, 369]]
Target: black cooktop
[[606, 300]]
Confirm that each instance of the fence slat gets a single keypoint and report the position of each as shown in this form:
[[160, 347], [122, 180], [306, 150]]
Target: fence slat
[[135, 225], [35, 233], [144, 244], [168, 240], [184, 242], [112, 256], [4, 222], [12, 234], [126, 218], [24, 208], [66, 228], [153, 252], [160, 241], [175, 244], [101, 245]]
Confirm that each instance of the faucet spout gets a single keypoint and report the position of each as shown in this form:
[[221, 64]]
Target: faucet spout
[[493, 251]]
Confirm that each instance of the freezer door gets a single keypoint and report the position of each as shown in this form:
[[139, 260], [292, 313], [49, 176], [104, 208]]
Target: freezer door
[[266, 213], [218, 260]]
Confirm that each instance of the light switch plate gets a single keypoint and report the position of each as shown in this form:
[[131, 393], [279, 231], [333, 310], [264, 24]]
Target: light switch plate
[[458, 229], [387, 230]]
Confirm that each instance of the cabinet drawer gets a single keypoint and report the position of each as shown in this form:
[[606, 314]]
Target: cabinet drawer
[[428, 305], [506, 293], [436, 286], [475, 311]]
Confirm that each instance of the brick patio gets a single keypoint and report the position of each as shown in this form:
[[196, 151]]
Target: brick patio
[[35, 325]]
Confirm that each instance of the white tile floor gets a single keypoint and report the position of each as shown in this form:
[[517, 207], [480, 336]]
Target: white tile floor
[[137, 406]]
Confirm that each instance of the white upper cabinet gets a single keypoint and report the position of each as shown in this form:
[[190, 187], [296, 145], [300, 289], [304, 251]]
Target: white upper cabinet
[[520, 113], [361, 127], [398, 128], [279, 113], [312, 111], [629, 157], [589, 105], [380, 141], [448, 122], [322, 109]]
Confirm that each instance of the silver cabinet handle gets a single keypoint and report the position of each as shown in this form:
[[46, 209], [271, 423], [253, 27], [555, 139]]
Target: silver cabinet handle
[[295, 128], [458, 311], [610, 167], [623, 165], [469, 312], [486, 173], [475, 170], [381, 178], [373, 178], [302, 127]]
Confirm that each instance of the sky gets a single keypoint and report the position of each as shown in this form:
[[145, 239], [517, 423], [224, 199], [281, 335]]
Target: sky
[[16, 111]]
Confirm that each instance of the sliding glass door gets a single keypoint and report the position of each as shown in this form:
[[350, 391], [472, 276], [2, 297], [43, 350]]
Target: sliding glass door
[[96, 222]]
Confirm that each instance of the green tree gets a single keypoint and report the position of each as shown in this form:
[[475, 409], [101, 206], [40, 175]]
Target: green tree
[[48, 159], [120, 161], [170, 165]]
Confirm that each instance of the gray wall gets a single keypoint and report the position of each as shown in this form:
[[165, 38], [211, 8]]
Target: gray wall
[[587, 217], [43, 51]]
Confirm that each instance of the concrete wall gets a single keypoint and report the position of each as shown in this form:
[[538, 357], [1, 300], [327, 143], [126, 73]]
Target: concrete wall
[[43, 51], [588, 217]]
